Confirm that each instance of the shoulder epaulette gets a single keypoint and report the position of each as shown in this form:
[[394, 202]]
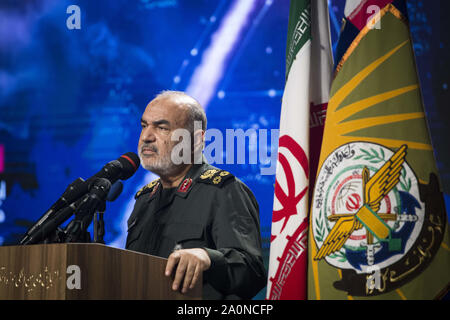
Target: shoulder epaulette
[[147, 188], [215, 177]]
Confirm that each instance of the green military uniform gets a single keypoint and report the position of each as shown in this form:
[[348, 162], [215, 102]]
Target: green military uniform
[[211, 209]]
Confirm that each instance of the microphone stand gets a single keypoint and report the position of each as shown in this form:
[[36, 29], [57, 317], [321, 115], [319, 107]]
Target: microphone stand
[[76, 230], [99, 228], [99, 224]]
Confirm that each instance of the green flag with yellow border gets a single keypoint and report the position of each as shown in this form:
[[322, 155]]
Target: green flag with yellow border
[[378, 225]]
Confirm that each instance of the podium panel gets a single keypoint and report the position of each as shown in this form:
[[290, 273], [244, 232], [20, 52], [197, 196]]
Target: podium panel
[[84, 271]]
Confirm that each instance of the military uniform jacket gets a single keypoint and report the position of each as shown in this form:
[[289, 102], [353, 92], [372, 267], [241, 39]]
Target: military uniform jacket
[[211, 209]]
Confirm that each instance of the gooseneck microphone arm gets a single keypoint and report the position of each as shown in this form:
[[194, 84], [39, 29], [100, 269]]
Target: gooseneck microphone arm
[[50, 225], [74, 191]]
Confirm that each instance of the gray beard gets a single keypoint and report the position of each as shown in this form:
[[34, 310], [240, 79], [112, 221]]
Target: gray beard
[[162, 166]]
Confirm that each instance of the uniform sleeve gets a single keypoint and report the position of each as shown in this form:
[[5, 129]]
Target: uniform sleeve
[[236, 262]]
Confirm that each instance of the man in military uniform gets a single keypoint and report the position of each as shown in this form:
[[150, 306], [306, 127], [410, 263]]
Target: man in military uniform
[[203, 219]]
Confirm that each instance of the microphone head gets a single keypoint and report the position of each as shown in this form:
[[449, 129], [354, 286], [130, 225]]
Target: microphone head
[[130, 163]]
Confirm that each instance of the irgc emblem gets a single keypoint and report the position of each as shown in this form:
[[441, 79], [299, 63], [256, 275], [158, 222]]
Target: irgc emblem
[[371, 218]]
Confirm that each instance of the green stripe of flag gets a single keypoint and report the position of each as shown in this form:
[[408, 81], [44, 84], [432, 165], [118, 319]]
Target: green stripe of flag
[[299, 29]]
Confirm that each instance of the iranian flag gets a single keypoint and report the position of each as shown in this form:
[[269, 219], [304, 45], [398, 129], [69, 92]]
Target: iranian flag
[[308, 77]]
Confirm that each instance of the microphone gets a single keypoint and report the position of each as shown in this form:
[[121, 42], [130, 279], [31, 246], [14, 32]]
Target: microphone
[[122, 168], [115, 191], [98, 191]]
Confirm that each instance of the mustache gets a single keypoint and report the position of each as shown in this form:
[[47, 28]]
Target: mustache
[[148, 146]]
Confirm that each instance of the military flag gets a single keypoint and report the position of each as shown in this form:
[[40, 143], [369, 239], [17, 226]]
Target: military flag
[[308, 79], [378, 226]]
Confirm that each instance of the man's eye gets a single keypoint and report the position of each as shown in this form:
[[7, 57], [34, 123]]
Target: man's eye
[[143, 125], [163, 128]]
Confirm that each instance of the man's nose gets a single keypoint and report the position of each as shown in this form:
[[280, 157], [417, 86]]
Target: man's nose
[[148, 134]]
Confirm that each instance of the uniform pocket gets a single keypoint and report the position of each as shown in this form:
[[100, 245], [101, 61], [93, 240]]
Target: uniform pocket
[[185, 235]]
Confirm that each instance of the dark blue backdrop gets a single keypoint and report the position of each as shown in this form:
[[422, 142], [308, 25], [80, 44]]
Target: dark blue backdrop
[[71, 100]]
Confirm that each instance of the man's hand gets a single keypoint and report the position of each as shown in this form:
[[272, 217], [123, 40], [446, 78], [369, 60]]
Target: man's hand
[[191, 263]]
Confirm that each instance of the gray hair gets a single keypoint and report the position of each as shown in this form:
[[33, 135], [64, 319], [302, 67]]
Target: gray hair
[[195, 110]]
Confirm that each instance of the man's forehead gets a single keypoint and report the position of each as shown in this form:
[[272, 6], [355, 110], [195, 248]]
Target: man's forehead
[[165, 107]]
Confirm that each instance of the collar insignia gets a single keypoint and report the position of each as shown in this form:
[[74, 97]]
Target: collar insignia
[[185, 185]]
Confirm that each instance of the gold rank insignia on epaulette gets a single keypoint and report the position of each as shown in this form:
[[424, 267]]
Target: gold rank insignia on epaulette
[[216, 177], [147, 188]]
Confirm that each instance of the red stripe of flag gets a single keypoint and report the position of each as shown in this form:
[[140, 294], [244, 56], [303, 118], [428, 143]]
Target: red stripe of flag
[[362, 13]]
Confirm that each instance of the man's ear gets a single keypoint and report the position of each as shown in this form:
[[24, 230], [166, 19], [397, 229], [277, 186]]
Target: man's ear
[[198, 145], [199, 139]]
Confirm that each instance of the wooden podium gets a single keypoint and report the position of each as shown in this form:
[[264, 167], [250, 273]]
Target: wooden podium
[[84, 271]]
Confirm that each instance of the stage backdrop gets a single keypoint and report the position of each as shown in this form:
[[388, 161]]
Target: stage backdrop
[[75, 77]]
